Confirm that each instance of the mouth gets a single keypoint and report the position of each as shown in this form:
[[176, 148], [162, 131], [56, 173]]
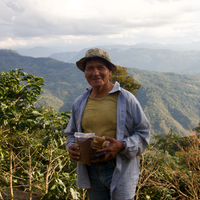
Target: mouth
[[96, 79]]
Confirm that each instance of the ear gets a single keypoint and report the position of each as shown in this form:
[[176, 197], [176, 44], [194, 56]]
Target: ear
[[110, 73]]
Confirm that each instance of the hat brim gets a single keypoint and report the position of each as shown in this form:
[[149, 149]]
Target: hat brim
[[80, 63]]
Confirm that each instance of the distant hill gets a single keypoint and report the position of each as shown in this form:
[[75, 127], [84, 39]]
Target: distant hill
[[168, 99], [174, 47], [37, 51], [41, 51], [162, 60]]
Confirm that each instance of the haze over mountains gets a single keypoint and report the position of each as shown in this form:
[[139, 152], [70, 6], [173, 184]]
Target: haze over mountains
[[182, 59], [163, 60], [168, 99]]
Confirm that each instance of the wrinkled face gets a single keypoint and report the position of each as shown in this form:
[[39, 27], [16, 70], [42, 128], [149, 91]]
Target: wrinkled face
[[97, 74]]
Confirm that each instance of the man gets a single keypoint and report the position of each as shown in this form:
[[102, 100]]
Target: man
[[108, 110]]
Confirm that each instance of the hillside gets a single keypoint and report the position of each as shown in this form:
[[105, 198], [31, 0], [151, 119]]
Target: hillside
[[168, 99]]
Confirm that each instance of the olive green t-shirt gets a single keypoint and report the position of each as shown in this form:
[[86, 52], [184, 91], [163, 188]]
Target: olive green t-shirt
[[100, 116]]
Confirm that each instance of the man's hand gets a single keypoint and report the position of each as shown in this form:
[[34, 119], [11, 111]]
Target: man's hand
[[74, 152], [112, 149]]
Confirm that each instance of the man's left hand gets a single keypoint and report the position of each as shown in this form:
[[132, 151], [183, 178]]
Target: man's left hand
[[112, 149]]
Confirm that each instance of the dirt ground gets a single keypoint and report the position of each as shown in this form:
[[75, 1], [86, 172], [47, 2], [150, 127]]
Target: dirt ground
[[21, 195]]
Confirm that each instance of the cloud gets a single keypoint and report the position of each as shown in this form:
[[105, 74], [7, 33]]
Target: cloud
[[14, 6], [29, 21]]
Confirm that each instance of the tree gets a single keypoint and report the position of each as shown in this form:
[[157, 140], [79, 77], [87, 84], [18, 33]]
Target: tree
[[18, 92], [127, 82], [167, 143], [198, 128], [32, 143]]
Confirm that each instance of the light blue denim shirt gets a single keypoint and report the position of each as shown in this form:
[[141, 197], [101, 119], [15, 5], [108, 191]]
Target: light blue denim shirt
[[132, 127]]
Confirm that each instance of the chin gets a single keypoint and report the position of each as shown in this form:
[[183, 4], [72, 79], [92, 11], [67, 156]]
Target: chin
[[97, 84]]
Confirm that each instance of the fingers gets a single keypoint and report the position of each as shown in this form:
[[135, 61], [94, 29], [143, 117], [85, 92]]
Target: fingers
[[105, 144], [113, 148], [74, 153], [108, 139], [75, 158]]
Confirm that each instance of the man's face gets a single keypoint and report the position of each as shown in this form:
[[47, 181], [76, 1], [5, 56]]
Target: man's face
[[96, 73]]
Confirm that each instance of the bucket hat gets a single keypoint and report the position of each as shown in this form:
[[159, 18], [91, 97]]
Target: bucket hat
[[95, 52]]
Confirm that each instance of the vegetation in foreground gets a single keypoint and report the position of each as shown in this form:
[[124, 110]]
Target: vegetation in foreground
[[33, 158]]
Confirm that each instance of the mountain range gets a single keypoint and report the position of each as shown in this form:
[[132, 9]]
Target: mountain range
[[40, 51], [168, 99], [162, 60], [181, 59]]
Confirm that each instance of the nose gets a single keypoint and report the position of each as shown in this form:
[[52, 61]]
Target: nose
[[95, 71]]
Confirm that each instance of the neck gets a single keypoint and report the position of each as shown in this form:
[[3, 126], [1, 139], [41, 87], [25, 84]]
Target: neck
[[101, 92]]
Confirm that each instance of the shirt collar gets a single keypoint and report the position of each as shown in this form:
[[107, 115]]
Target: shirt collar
[[116, 88]]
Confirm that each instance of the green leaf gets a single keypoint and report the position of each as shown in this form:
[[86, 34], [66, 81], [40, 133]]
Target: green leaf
[[74, 193], [45, 141], [5, 122], [22, 126]]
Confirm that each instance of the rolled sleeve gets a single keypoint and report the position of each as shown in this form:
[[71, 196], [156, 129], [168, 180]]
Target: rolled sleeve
[[70, 130], [137, 131]]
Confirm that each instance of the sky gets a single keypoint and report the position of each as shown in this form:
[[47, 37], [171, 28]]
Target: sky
[[79, 23]]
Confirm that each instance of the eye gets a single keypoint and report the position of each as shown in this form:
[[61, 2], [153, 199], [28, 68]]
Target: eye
[[100, 67], [89, 68]]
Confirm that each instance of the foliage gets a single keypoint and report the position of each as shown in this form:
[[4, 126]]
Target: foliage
[[165, 179], [198, 128], [32, 140], [18, 91], [167, 142], [127, 82], [51, 170]]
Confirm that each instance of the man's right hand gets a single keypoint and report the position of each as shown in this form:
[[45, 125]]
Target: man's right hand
[[74, 153]]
